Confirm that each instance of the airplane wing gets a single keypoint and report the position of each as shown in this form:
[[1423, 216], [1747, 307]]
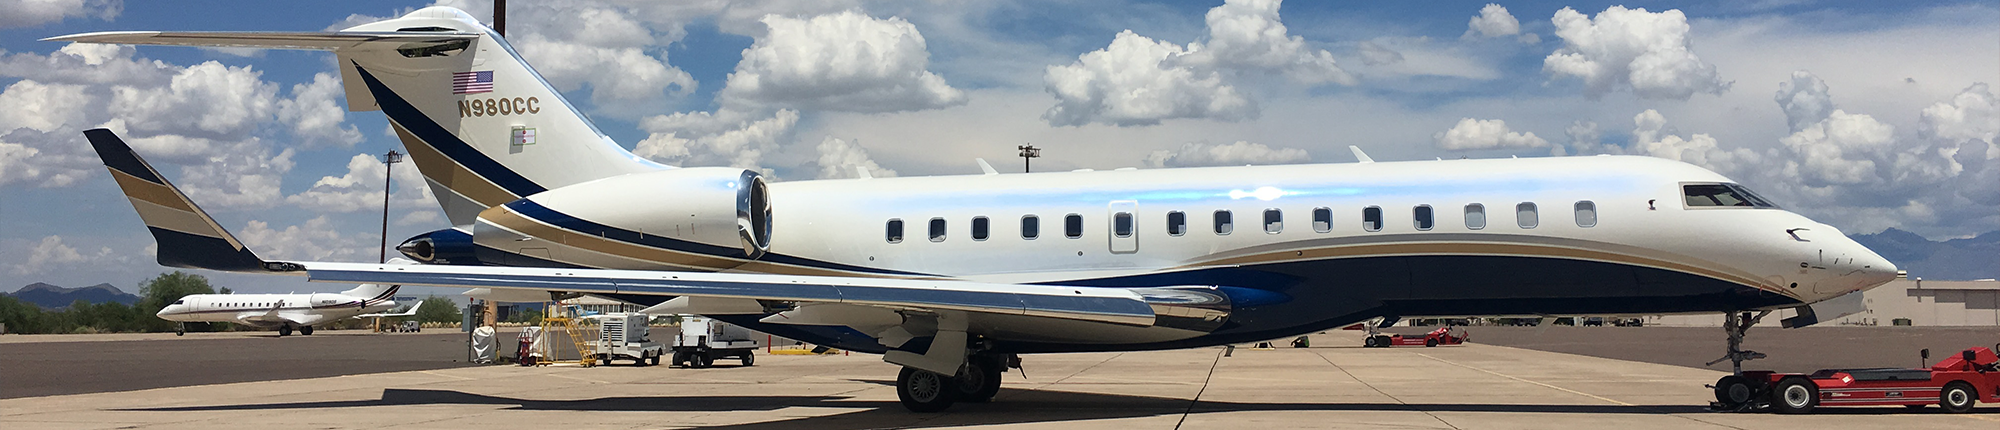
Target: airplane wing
[[410, 312], [325, 41], [263, 319]]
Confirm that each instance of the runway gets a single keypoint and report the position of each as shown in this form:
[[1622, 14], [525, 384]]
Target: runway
[[1333, 385]]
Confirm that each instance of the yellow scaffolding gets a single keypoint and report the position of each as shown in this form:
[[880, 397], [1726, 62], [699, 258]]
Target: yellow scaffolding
[[568, 324]]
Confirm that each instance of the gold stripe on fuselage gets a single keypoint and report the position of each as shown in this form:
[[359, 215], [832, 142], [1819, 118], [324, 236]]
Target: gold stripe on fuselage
[[505, 218]]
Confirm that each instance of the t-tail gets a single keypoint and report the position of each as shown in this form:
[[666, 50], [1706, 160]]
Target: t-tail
[[480, 124]]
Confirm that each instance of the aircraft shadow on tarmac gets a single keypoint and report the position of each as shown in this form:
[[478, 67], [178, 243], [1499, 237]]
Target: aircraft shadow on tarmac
[[1010, 407]]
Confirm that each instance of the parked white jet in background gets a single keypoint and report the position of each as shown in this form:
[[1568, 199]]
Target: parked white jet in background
[[953, 277], [285, 311]]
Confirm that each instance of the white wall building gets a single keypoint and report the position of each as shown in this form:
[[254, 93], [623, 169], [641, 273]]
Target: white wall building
[[1913, 301]]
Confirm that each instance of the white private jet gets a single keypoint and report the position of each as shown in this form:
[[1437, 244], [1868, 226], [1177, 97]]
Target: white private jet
[[284, 311], [954, 277]]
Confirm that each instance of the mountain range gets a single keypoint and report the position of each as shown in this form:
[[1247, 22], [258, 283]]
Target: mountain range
[[51, 296], [1965, 259]]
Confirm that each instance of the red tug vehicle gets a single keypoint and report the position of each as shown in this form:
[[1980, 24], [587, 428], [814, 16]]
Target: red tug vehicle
[[1441, 336], [1954, 384]]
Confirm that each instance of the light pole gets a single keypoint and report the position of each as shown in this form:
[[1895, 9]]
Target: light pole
[[389, 161], [1028, 153]]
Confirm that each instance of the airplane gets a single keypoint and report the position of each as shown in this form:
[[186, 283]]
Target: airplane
[[284, 311], [954, 277]]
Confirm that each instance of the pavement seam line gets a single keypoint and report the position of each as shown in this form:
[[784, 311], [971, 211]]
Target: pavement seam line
[[1580, 393], [1399, 401], [1204, 388]]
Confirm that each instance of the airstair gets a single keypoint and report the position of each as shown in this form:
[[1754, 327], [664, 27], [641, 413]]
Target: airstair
[[563, 317]]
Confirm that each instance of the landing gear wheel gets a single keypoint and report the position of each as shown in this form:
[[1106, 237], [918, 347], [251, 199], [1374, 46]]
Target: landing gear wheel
[[1732, 392], [1383, 341], [306, 330], [979, 381], [1368, 342], [1795, 396], [748, 359], [284, 330], [924, 391], [1957, 397], [181, 329]]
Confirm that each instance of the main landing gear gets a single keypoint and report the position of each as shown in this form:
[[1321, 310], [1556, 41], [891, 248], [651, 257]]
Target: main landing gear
[[1735, 392], [976, 382], [286, 330]]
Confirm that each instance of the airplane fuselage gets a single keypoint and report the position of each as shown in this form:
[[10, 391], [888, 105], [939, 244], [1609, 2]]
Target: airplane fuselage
[[271, 310], [1295, 248]]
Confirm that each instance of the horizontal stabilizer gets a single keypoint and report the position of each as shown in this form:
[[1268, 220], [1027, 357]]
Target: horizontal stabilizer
[[325, 41], [412, 311], [186, 235]]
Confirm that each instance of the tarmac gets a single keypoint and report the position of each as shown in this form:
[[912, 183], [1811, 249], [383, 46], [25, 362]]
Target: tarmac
[[1335, 384]]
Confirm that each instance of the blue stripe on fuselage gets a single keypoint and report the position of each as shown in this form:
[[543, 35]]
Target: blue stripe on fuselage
[[532, 210], [447, 143]]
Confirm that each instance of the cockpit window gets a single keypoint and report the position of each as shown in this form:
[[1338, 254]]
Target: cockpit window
[[180, 302], [1722, 195]]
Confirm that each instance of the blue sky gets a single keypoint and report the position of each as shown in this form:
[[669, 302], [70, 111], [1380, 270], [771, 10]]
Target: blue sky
[[1865, 115]]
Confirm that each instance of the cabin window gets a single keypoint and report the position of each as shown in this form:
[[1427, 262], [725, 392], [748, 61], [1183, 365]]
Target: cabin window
[[1322, 220], [980, 227], [895, 231], [1274, 221], [1586, 214], [1121, 224], [1722, 195], [1031, 227], [1073, 226], [1225, 223], [1176, 223], [1424, 217], [1371, 218], [1524, 214], [937, 229], [1475, 216]]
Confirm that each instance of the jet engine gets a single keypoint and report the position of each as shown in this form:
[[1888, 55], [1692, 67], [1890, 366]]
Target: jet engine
[[676, 218]]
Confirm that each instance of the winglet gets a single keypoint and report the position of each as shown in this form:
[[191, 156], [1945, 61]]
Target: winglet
[[861, 172], [1360, 156], [986, 168], [187, 237]]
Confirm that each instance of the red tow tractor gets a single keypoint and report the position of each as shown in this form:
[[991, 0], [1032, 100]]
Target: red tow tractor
[[1954, 384], [1441, 336]]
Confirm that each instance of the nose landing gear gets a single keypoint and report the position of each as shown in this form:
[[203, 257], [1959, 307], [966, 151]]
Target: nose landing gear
[[1735, 392]]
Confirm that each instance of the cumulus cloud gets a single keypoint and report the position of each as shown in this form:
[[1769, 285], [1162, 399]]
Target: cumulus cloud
[[1805, 100], [1645, 52], [725, 137], [845, 61], [316, 239], [1973, 113], [51, 251], [1492, 21], [31, 13], [1479, 134], [1197, 154], [359, 188], [1651, 136], [839, 158], [315, 117], [1132, 82], [1137, 80]]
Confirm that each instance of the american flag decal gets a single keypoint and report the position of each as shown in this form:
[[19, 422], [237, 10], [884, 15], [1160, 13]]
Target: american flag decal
[[472, 82]]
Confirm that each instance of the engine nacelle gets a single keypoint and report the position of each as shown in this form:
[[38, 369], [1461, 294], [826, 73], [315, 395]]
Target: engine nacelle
[[679, 217]]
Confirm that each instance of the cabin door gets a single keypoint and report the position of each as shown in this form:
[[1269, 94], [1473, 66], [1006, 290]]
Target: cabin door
[[1124, 227]]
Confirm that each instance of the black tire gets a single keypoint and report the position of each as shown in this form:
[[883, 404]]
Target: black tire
[[1384, 341], [1958, 397], [284, 330], [1734, 391], [699, 360], [655, 361], [979, 381], [1429, 343], [749, 359], [306, 330], [1795, 395], [1368, 342], [924, 391]]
